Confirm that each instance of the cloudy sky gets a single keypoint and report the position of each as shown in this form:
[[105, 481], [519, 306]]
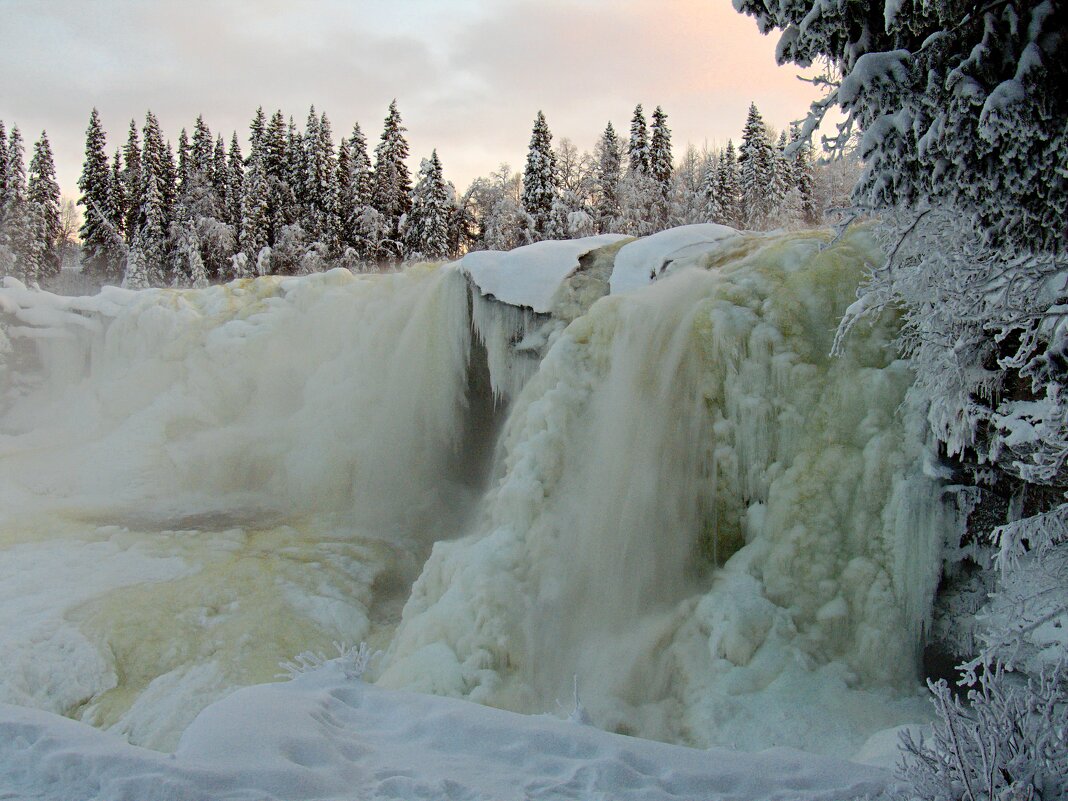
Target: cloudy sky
[[468, 75]]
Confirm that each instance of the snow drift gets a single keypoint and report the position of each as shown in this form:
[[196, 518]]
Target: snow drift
[[672, 493]]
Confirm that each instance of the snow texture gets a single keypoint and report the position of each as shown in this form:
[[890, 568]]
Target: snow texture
[[639, 263], [529, 276], [325, 736]]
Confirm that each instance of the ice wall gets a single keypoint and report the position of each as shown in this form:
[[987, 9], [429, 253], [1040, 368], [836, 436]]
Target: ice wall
[[726, 534]]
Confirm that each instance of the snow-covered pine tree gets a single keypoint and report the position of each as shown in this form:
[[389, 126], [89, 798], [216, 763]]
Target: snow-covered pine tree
[[153, 215], [392, 186], [95, 185], [256, 129], [43, 196], [235, 173], [220, 180], [3, 172], [362, 174], [712, 209], [255, 213], [310, 187], [783, 199], [135, 273], [19, 221], [116, 219], [609, 173], [660, 167], [198, 194], [361, 179], [346, 199], [638, 147], [188, 268], [427, 228], [804, 179], [660, 162], [539, 177], [131, 157], [184, 157], [283, 164], [321, 221], [756, 158], [727, 187]]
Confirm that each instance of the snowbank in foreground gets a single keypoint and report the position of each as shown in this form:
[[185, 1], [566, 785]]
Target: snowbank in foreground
[[326, 736], [528, 276]]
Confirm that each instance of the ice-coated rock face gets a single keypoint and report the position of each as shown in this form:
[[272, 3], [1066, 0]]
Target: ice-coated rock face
[[673, 492]]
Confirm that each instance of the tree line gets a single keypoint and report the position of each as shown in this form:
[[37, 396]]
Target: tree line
[[156, 215]]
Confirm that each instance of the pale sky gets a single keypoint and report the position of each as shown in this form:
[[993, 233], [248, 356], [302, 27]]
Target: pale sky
[[469, 75]]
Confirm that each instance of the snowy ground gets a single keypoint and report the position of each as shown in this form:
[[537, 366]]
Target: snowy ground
[[326, 736]]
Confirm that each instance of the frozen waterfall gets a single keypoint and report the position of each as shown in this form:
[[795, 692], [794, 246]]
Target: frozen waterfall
[[504, 472]]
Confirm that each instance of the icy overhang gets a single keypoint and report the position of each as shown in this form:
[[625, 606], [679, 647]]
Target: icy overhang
[[529, 276], [638, 263]]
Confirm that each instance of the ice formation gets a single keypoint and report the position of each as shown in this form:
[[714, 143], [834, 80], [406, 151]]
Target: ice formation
[[673, 493]]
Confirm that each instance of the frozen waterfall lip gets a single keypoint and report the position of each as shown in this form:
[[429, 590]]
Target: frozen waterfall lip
[[638, 262], [529, 276]]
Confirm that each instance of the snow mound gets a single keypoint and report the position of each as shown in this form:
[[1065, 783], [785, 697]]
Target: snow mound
[[639, 263], [529, 276], [324, 736]]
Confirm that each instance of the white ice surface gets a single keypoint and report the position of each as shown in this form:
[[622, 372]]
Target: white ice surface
[[529, 276], [325, 736], [638, 263]]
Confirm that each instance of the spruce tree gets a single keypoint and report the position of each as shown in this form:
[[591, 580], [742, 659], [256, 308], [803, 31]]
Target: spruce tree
[[19, 222], [256, 130], [539, 178], [756, 159], [43, 196], [220, 180], [235, 172], [188, 266], [638, 148], [255, 219], [803, 175], [713, 209], [362, 174], [346, 200], [607, 207], [727, 187], [95, 185], [427, 230], [157, 176], [118, 203], [320, 191], [184, 157], [3, 177], [286, 207], [660, 164], [361, 225], [131, 156], [392, 185]]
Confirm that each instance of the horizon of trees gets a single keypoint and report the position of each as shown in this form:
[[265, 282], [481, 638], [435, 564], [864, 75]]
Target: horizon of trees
[[156, 215]]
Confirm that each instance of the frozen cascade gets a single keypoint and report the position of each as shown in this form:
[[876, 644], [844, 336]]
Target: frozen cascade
[[699, 422], [198, 484], [725, 534]]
